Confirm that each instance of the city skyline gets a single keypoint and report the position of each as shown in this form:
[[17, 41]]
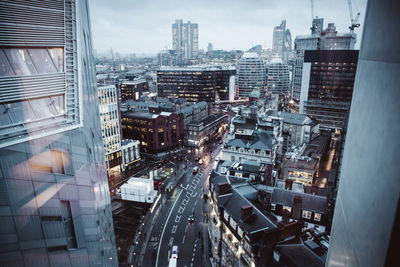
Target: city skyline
[[125, 25]]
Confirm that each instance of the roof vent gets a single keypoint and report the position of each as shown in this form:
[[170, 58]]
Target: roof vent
[[223, 188]]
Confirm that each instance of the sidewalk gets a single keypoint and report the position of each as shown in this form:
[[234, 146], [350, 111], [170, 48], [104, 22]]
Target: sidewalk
[[204, 228]]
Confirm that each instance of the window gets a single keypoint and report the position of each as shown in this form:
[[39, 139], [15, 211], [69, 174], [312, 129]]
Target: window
[[317, 217], [273, 206], [288, 209], [42, 60], [306, 214], [20, 61]]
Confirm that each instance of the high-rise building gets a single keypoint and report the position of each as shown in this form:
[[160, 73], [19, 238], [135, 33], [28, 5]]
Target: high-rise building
[[278, 79], [365, 228], [319, 39], [210, 47], [133, 89], [185, 39], [282, 40], [196, 83], [110, 126], [251, 74], [54, 201], [327, 86]]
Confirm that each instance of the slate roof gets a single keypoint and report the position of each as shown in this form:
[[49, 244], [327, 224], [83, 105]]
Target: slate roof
[[290, 118], [309, 202], [261, 140]]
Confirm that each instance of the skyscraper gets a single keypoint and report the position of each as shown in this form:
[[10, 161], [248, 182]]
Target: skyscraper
[[185, 39], [319, 39], [365, 228], [327, 86], [251, 74], [54, 202], [282, 40]]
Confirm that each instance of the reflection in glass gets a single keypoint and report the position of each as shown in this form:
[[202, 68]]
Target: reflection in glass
[[42, 60], [43, 107], [20, 61], [57, 54], [5, 67], [4, 117], [20, 111]]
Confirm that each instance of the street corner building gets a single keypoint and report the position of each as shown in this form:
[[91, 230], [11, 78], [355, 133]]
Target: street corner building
[[54, 198]]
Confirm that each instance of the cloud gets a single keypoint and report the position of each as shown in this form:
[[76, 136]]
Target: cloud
[[132, 26]]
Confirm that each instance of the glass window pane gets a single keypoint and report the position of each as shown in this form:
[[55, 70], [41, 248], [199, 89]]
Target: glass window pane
[[57, 54], [5, 67], [58, 103], [4, 117], [43, 107], [20, 61], [42, 60], [20, 111]]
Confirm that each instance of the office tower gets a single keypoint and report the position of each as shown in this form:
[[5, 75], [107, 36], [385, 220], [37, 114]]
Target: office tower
[[133, 89], [282, 40], [319, 39], [365, 229], [210, 47], [185, 39], [251, 74], [110, 126], [278, 80], [54, 203], [327, 86], [204, 83]]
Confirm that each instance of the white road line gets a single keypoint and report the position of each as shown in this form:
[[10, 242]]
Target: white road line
[[177, 218], [183, 240], [162, 234], [195, 202], [169, 253], [171, 241], [181, 209], [192, 209], [184, 187], [186, 228], [174, 228]]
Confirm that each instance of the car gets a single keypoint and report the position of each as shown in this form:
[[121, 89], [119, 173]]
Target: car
[[195, 169], [200, 161], [191, 217], [217, 159], [174, 254], [196, 158]]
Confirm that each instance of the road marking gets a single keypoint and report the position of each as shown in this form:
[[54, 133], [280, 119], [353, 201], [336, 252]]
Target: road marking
[[185, 201], [177, 218], [171, 241], [181, 209], [194, 195], [183, 240], [169, 253], [174, 228], [184, 187], [192, 209], [195, 202], [162, 234], [186, 228]]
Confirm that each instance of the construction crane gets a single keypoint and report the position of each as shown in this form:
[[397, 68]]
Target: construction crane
[[314, 27], [354, 20]]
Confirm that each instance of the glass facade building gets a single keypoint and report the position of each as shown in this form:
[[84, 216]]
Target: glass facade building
[[327, 89], [278, 79], [185, 39], [251, 74], [195, 84], [54, 201]]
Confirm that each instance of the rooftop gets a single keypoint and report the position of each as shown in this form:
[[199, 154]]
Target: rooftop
[[305, 163], [261, 140]]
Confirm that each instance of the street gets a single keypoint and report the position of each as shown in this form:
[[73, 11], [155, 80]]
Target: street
[[172, 227]]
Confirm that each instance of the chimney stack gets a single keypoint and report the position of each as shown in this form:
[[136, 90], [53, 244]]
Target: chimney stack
[[297, 203], [288, 184], [223, 188], [314, 189], [246, 212]]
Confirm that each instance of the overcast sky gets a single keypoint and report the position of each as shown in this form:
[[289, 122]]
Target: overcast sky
[[144, 26]]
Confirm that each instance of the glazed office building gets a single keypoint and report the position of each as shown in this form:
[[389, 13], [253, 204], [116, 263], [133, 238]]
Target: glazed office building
[[196, 84], [327, 86], [54, 201]]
